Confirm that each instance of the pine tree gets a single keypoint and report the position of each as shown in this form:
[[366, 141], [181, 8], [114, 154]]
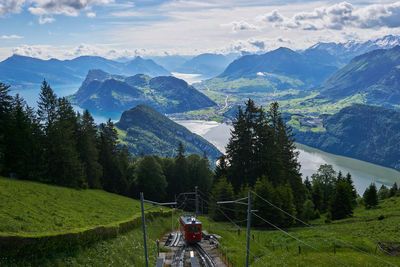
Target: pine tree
[[326, 178], [65, 168], [180, 181], [394, 190], [370, 196], [47, 115], [308, 210], [107, 155], [88, 151], [266, 190], [5, 106], [19, 141], [354, 194], [341, 204], [286, 198], [240, 151], [383, 193], [222, 191], [149, 178], [317, 196]]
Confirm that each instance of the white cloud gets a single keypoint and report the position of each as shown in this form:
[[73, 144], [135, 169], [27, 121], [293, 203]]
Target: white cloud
[[10, 6], [50, 7], [8, 37], [242, 26], [127, 14], [91, 15], [46, 19], [339, 16]]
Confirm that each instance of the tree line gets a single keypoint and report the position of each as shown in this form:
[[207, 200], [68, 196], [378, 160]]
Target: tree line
[[57, 145], [261, 156]]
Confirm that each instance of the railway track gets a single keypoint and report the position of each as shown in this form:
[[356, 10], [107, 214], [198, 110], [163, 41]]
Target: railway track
[[179, 259], [198, 259], [205, 258]]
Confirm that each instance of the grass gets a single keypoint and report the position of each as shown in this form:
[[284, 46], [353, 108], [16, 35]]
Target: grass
[[30, 207], [124, 250], [274, 248]]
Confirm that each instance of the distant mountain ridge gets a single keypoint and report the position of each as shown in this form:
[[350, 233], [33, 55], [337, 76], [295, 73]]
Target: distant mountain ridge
[[144, 130], [343, 53], [282, 61], [207, 64], [27, 71], [364, 132], [106, 92], [374, 75]]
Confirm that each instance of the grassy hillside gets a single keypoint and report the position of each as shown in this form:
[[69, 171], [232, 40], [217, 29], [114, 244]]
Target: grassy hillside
[[364, 231], [124, 250], [29, 207]]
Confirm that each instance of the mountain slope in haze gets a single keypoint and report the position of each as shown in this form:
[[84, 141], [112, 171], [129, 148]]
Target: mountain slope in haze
[[170, 62], [27, 71], [144, 130], [281, 61], [342, 53], [208, 65], [374, 75], [105, 92], [279, 70], [364, 132]]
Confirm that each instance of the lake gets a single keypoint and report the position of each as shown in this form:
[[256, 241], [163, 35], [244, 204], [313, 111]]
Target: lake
[[363, 173], [31, 96]]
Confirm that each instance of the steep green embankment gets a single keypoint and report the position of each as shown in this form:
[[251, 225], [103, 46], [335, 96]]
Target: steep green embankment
[[29, 207]]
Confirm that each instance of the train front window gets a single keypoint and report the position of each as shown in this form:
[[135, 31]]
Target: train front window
[[193, 228]]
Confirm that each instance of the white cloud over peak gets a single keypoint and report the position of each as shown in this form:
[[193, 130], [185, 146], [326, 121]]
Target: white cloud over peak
[[339, 16]]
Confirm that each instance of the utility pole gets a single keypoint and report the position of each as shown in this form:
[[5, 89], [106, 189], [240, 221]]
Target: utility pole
[[248, 227], [144, 228], [156, 204], [249, 211], [197, 200]]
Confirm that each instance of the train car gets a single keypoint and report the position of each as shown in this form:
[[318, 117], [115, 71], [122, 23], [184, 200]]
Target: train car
[[190, 228]]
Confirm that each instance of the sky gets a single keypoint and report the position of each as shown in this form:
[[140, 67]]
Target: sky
[[113, 28]]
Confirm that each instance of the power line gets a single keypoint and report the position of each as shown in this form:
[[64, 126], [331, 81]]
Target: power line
[[320, 231], [264, 248], [301, 241], [238, 241]]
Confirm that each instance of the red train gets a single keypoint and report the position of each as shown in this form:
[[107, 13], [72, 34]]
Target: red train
[[190, 228]]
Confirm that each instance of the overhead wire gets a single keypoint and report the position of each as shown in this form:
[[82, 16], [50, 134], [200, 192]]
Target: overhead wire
[[320, 231], [236, 225], [301, 241]]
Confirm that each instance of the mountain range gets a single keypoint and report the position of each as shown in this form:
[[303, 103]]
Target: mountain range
[[365, 132], [106, 92], [342, 53], [144, 130], [278, 70], [375, 76], [22, 71]]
